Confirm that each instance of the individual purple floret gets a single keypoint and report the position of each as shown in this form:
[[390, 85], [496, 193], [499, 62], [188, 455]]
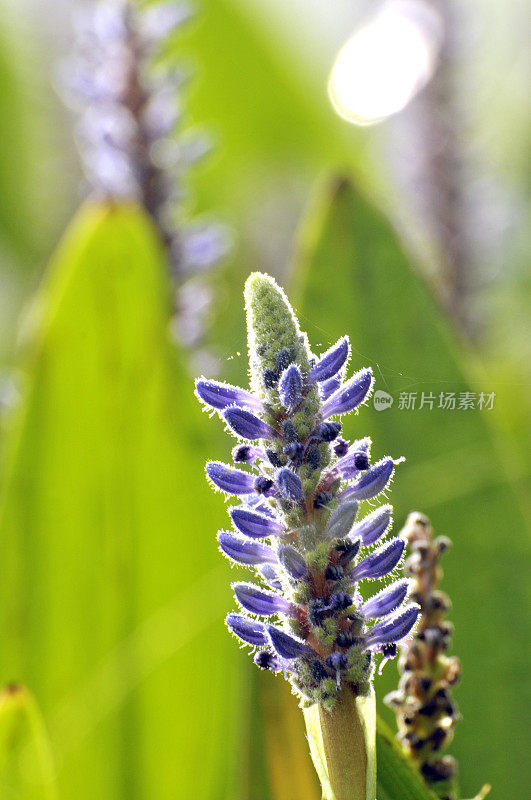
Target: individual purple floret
[[290, 387], [298, 523], [232, 481], [329, 387], [372, 482], [350, 396], [293, 562], [330, 362], [374, 525], [222, 395], [380, 562], [289, 485], [287, 646], [246, 425], [253, 524], [392, 630], [248, 630], [386, 601], [258, 602], [245, 551]]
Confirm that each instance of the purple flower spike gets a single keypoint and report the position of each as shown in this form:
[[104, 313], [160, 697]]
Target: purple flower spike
[[392, 630], [349, 396], [330, 362], [380, 562], [258, 602], [290, 387], [373, 526], [253, 524], [371, 482], [385, 601], [232, 481], [293, 562], [329, 387], [246, 425], [245, 551], [222, 395], [286, 646], [247, 630], [289, 484]]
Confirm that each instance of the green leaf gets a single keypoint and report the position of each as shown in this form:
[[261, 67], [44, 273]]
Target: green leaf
[[27, 770], [397, 776], [113, 592], [352, 276]]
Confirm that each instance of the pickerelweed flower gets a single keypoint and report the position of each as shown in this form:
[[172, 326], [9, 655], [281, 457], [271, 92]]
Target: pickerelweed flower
[[425, 709], [127, 101], [299, 486]]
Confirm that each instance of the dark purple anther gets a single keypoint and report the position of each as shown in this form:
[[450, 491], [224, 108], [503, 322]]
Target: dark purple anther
[[327, 431], [294, 450], [263, 485], [341, 447]]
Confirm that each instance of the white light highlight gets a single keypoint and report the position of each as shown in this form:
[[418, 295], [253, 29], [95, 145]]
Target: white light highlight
[[386, 62]]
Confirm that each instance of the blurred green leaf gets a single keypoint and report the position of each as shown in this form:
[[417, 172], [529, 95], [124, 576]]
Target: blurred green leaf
[[26, 765], [113, 592], [353, 276], [397, 777]]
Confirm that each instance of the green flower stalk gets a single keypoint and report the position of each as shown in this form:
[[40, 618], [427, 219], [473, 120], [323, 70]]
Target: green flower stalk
[[297, 525], [425, 709]]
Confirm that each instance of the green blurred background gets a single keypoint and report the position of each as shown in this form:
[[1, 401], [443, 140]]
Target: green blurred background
[[112, 592]]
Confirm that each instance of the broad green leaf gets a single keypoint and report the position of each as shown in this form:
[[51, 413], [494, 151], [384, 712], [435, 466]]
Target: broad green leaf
[[352, 276], [27, 771], [113, 592]]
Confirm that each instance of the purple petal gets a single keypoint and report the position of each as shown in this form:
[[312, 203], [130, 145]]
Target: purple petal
[[233, 481], [330, 362], [257, 601], [289, 484], [270, 576], [247, 425], [286, 646], [248, 630], [385, 601], [373, 526], [253, 524], [392, 630], [293, 562], [341, 520], [290, 387], [371, 483], [329, 387], [380, 562], [356, 460], [350, 395], [245, 551], [220, 395]]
